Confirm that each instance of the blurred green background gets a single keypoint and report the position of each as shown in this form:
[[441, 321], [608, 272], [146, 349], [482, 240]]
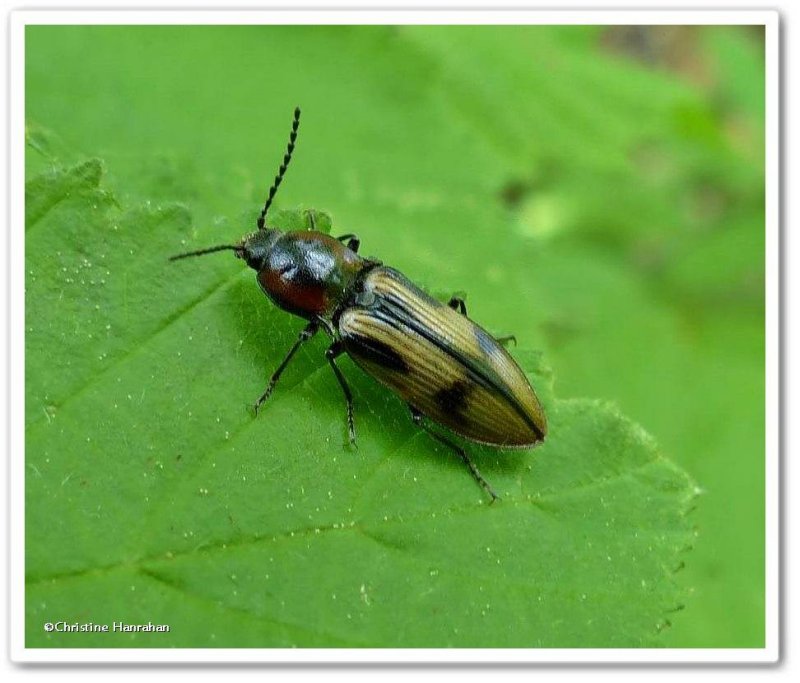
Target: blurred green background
[[625, 164]]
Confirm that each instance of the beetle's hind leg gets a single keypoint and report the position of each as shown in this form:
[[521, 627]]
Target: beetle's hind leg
[[353, 243], [457, 303], [309, 331], [335, 350], [508, 338], [419, 420]]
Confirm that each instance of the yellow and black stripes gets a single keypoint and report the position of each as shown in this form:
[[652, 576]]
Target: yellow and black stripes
[[439, 362]]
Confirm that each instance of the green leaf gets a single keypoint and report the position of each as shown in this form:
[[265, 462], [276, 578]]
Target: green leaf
[[154, 495], [597, 191]]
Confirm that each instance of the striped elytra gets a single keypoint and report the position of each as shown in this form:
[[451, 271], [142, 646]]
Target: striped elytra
[[440, 362]]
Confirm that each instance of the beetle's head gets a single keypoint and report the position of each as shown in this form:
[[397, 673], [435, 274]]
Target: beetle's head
[[255, 247]]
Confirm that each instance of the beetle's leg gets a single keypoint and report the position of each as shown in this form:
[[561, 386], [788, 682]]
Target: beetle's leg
[[353, 243], [458, 304], [309, 331], [335, 350], [418, 419]]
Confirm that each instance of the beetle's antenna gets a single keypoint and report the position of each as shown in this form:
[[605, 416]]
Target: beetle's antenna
[[210, 250], [282, 170]]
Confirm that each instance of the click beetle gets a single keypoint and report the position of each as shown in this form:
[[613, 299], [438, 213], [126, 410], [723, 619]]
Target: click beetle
[[446, 368]]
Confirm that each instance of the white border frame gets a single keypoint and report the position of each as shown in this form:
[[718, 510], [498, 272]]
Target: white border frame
[[17, 23]]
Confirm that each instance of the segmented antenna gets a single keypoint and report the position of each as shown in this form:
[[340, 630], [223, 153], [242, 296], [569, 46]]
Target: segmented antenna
[[282, 170], [209, 250]]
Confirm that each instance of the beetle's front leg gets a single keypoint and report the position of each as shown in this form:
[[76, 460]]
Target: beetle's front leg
[[335, 350], [353, 243], [309, 331]]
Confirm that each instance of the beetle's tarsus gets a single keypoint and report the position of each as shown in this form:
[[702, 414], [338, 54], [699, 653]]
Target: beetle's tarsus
[[473, 470], [335, 350], [351, 429], [262, 399], [307, 333], [506, 339]]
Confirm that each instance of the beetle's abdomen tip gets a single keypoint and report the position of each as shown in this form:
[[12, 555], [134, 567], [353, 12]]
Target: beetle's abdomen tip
[[536, 436]]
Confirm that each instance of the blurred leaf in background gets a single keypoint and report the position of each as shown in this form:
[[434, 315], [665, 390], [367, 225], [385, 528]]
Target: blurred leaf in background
[[598, 191]]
